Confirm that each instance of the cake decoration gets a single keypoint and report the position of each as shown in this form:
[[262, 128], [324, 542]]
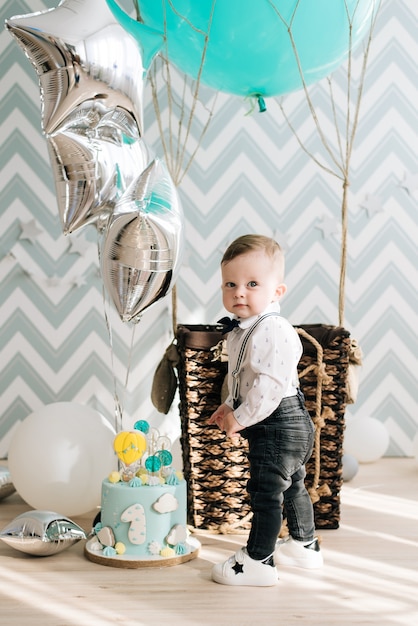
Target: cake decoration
[[129, 446], [177, 535], [142, 425], [120, 548], [181, 548], [165, 503], [135, 482], [136, 517], [154, 547], [143, 518], [105, 536], [114, 477], [172, 479]]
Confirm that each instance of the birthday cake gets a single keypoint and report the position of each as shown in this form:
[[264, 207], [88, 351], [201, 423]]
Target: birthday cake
[[143, 517]]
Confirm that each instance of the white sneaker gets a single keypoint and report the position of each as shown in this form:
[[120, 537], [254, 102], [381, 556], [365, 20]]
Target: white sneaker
[[241, 569], [299, 554]]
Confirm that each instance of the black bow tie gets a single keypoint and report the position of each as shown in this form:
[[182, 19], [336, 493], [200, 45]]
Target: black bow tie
[[228, 324]]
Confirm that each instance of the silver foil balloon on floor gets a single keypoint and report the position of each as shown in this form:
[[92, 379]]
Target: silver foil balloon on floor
[[41, 533]]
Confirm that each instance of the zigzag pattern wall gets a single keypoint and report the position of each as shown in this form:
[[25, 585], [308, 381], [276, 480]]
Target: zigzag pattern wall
[[250, 175]]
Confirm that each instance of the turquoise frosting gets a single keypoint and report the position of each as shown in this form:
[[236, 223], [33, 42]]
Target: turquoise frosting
[[181, 548], [135, 482], [172, 479]]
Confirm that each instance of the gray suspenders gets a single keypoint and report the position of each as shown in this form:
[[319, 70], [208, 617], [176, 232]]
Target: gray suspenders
[[235, 373]]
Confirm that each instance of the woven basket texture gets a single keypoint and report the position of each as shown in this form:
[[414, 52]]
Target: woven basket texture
[[216, 469]]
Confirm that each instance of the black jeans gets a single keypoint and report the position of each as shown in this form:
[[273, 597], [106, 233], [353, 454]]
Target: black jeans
[[279, 447]]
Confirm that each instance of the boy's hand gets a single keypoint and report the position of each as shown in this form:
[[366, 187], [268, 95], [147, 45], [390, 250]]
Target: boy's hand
[[224, 418], [218, 416]]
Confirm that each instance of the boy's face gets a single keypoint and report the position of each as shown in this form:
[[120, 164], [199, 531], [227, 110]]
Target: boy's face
[[250, 282]]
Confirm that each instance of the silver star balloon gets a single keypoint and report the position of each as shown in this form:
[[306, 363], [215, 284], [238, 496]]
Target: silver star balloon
[[91, 76], [41, 533], [142, 243]]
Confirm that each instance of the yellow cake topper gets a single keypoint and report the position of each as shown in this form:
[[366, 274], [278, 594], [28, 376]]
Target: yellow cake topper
[[129, 446]]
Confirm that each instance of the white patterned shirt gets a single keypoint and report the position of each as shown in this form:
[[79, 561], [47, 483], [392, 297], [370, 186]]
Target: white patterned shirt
[[269, 368]]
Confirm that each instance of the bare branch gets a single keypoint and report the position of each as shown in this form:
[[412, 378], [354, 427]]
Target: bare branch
[[345, 145]]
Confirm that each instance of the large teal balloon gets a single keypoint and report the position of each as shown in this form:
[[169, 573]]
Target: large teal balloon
[[245, 44]]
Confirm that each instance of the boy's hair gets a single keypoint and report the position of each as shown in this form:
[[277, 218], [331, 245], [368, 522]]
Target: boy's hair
[[249, 243]]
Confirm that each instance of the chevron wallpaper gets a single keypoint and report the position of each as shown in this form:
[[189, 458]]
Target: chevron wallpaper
[[61, 340]]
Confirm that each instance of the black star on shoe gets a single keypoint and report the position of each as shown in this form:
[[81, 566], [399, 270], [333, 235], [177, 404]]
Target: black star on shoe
[[238, 568], [314, 545]]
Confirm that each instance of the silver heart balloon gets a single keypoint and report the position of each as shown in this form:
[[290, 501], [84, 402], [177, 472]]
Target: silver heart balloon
[[142, 243], [91, 76], [41, 533], [6, 485]]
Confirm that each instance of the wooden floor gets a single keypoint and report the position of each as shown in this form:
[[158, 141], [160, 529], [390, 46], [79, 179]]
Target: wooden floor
[[370, 574]]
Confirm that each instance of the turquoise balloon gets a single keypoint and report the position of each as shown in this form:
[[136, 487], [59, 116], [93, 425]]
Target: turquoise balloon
[[153, 464], [165, 457], [142, 425], [249, 51]]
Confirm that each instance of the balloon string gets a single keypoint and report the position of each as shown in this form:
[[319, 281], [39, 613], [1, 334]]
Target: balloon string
[[118, 407], [131, 349]]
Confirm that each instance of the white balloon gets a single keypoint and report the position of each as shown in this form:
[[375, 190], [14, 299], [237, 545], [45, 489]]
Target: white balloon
[[366, 439], [349, 467], [59, 456]]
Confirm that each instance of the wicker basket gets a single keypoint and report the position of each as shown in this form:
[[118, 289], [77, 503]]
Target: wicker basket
[[323, 372], [217, 469]]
